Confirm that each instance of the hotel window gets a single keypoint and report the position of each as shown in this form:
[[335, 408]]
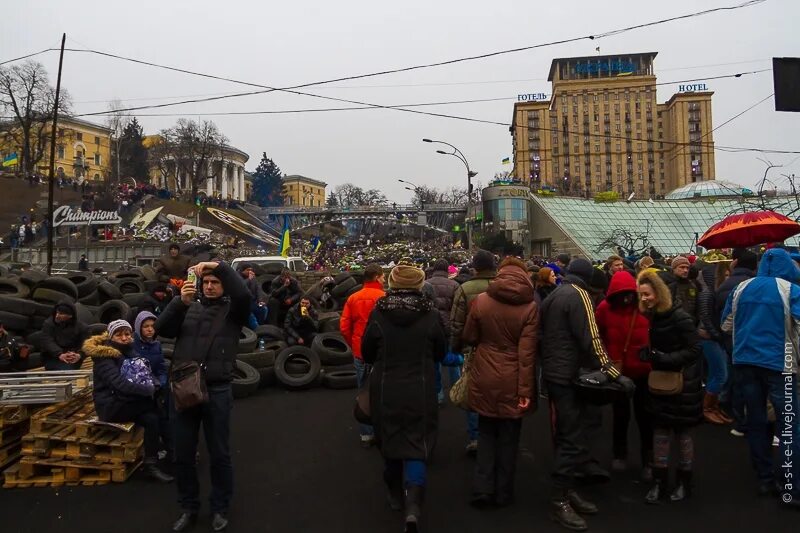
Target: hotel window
[[97, 159], [97, 140], [574, 98], [79, 136], [585, 98], [605, 96], [616, 108], [596, 98], [617, 127]]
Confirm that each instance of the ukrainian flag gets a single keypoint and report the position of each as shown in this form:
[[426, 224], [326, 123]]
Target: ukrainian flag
[[316, 243], [285, 243], [506, 161], [10, 160]]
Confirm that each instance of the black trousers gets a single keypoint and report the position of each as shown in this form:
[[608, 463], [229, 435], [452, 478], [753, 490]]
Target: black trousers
[[215, 416], [622, 418], [498, 442], [570, 418], [142, 411]]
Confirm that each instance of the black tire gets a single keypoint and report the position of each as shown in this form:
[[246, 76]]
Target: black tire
[[339, 368], [14, 288], [96, 329], [49, 296], [32, 277], [86, 283], [268, 378], [276, 346], [329, 322], [113, 310], [62, 285], [332, 349], [298, 367], [150, 284], [14, 322], [353, 291], [165, 340], [258, 359], [130, 286], [37, 322], [148, 273], [265, 282], [134, 273], [315, 292], [93, 298], [245, 380], [340, 379], [108, 291], [35, 340], [297, 382], [167, 350], [17, 305], [43, 309], [247, 340], [330, 305], [84, 314], [134, 299], [270, 332], [338, 278], [341, 289]]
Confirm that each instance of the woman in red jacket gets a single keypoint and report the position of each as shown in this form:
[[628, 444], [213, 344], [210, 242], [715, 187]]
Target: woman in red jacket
[[624, 331]]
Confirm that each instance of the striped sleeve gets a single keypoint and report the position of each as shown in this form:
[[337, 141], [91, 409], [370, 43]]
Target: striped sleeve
[[597, 347]]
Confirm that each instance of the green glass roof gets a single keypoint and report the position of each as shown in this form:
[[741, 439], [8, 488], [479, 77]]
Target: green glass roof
[[669, 225]]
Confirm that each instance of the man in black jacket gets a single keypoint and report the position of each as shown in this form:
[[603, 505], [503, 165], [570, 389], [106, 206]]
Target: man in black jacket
[[743, 267], [62, 338], [207, 331], [301, 324], [570, 340], [284, 293]]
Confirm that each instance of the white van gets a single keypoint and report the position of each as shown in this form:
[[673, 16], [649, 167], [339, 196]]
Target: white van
[[295, 264]]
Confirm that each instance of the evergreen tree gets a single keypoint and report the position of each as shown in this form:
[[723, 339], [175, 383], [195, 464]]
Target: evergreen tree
[[132, 153], [332, 200], [267, 184]]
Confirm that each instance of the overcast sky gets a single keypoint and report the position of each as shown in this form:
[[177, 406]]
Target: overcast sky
[[288, 43]]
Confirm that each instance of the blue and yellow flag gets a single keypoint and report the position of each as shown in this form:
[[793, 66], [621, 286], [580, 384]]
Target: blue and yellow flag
[[10, 160], [285, 243], [316, 243], [506, 161]]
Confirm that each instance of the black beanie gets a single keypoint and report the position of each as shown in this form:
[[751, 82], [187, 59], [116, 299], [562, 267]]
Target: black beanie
[[64, 308], [582, 268], [747, 259]]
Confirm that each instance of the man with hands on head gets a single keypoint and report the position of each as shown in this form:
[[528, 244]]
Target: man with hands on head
[[206, 327]]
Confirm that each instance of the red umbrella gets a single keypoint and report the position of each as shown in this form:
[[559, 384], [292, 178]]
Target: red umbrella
[[749, 229]]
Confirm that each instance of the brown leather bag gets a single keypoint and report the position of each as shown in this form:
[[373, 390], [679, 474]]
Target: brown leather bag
[[188, 385], [665, 382]]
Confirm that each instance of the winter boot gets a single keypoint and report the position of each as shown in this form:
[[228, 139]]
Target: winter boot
[[579, 504], [711, 412], [658, 491], [415, 496], [561, 511], [152, 471], [684, 488]]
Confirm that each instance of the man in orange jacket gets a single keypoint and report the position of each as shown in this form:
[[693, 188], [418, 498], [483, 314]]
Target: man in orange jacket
[[352, 324]]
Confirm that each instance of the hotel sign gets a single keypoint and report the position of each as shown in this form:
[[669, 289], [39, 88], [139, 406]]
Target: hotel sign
[[617, 66], [532, 97], [692, 88]]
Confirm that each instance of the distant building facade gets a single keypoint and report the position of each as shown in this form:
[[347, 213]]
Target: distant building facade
[[302, 191]]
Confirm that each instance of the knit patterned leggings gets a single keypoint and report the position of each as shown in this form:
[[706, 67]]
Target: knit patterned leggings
[[662, 438]]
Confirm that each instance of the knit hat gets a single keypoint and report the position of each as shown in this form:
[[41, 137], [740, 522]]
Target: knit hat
[[563, 259], [406, 277], [483, 260], [117, 325], [64, 308], [452, 271], [582, 268], [680, 260]]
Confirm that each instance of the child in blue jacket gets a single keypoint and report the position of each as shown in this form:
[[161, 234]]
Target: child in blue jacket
[[145, 345]]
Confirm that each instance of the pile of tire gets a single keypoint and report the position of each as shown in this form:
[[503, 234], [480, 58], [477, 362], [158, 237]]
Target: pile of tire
[[331, 296]]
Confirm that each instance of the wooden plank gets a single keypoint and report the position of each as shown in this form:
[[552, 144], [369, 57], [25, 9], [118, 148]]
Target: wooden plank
[[13, 433], [9, 454], [31, 472], [106, 445]]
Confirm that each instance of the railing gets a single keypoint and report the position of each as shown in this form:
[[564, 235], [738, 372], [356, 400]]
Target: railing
[[388, 208], [104, 255]]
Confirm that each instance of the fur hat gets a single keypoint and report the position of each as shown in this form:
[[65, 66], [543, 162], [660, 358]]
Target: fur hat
[[116, 325], [644, 262], [513, 261], [662, 291], [680, 260], [406, 277]]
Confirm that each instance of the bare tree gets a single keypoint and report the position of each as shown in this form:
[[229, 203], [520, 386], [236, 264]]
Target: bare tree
[[116, 121], [26, 94], [631, 243], [188, 149]]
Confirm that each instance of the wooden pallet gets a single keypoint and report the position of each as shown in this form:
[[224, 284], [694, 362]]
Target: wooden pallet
[[9, 454], [32, 472], [14, 414], [10, 434], [105, 444], [65, 414]]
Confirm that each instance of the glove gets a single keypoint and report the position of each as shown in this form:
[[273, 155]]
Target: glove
[[627, 385], [644, 355]]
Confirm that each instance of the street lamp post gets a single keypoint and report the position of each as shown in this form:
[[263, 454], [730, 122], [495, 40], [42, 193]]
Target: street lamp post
[[415, 189], [470, 174]]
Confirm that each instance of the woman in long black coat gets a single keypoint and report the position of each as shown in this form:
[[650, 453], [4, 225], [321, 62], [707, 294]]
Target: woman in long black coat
[[403, 340], [674, 346]]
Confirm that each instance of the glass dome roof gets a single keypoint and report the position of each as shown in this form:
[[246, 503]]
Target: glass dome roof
[[708, 189]]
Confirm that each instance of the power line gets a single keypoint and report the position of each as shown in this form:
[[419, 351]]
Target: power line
[[29, 55]]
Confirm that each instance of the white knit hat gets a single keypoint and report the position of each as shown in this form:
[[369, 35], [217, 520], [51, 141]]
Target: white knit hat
[[117, 324]]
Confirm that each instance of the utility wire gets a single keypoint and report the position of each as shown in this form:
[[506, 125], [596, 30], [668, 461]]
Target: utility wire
[[29, 55]]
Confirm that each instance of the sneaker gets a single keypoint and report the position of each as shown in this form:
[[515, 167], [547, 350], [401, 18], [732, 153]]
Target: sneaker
[[367, 441], [472, 448], [776, 441], [736, 433]]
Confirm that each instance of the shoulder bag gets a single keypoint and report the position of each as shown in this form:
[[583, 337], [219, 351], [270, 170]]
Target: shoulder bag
[[459, 391], [665, 382]]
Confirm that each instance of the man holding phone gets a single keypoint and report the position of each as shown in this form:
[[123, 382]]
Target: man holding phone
[[207, 331], [301, 323]]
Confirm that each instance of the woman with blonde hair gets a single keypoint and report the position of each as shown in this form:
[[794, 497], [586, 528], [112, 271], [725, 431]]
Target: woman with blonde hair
[[675, 399]]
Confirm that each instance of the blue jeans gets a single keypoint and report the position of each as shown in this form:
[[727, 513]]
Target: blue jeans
[[216, 419], [361, 371], [717, 363], [414, 472], [759, 385]]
